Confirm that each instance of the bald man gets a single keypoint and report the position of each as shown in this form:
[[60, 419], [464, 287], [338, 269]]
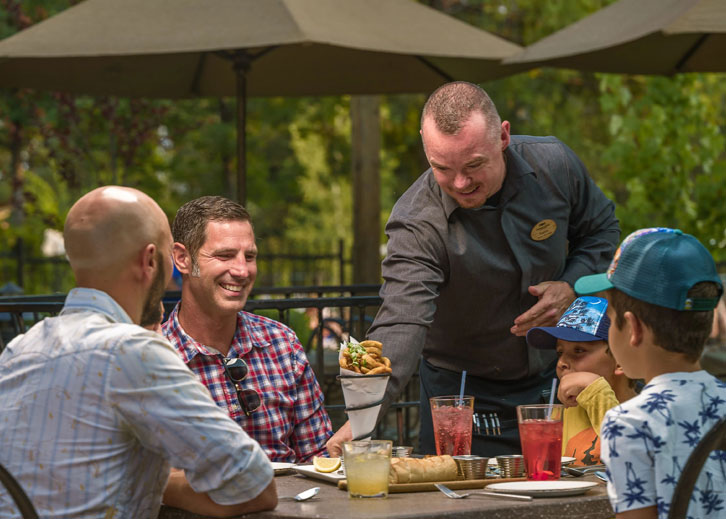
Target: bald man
[[95, 408]]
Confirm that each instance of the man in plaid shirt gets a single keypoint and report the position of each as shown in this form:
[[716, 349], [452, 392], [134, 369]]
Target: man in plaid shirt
[[253, 366]]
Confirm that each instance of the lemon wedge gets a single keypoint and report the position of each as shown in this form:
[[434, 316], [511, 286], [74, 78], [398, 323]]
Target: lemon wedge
[[326, 464]]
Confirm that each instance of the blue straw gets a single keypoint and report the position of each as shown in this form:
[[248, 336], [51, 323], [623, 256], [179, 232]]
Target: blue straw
[[552, 397], [461, 391], [552, 391]]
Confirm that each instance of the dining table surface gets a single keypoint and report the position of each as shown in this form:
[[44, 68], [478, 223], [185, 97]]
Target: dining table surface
[[334, 503]]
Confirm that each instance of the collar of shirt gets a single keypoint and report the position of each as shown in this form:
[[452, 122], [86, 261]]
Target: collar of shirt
[[517, 168], [82, 299], [244, 339]]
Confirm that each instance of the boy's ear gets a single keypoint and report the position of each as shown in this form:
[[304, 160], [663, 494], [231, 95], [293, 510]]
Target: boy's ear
[[618, 370], [635, 327]]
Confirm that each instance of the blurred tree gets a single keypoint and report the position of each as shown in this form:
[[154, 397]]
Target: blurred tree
[[654, 144], [665, 161]]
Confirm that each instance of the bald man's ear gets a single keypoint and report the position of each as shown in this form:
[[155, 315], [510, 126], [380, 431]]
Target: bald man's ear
[[149, 261], [182, 258]]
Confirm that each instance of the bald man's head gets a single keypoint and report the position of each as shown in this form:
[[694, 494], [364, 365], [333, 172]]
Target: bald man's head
[[106, 228]]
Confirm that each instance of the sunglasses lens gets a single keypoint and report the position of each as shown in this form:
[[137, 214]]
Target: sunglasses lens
[[251, 399], [237, 369]]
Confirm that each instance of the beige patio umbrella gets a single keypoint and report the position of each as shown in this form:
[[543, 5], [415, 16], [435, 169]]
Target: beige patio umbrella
[[200, 48], [638, 37]]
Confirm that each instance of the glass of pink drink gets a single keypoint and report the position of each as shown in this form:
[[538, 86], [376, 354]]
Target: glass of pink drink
[[452, 418], [540, 431]]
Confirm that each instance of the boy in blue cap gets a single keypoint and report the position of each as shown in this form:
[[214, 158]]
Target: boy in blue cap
[[662, 287], [591, 382]]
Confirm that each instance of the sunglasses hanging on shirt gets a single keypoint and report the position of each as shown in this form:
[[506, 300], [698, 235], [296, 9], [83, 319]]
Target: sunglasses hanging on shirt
[[236, 370]]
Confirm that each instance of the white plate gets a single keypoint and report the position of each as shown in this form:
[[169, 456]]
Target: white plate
[[309, 471], [282, 468], [543, 488], [566, 460]]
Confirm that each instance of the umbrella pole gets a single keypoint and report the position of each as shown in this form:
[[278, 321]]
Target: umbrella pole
[[241, 67]]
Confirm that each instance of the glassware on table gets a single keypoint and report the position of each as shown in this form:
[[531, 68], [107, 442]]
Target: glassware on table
[[452, 419], [540, 432], [367, 464]]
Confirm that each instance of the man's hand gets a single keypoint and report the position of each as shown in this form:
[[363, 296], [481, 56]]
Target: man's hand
[[554, 298], [572, 384], [335, 443]]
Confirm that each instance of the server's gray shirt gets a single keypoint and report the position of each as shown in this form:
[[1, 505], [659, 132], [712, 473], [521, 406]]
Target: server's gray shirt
[[455, 279]]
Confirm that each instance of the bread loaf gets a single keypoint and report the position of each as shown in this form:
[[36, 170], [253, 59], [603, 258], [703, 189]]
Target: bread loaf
[[413, 470]]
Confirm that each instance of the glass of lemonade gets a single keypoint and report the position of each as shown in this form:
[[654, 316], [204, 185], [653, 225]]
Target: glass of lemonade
[[367, 464], [540, 431], [452, 419]]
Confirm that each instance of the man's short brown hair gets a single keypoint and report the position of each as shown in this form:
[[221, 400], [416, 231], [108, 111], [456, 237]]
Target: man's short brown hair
[[452, 104], [678, 331], [190, 223]]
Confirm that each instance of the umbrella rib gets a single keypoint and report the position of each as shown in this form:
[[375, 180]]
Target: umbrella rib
[[233, 54], [690, 52], [436, 69]]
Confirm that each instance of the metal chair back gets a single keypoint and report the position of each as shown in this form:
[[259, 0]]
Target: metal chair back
[[713, 440], [22, 501]]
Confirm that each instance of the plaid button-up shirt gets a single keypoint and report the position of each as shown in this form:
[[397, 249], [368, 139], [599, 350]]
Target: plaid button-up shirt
[[291, 425]]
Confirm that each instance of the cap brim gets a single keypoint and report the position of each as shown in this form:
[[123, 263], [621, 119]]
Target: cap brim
[[541, 338], [545, 338], [592, 284]]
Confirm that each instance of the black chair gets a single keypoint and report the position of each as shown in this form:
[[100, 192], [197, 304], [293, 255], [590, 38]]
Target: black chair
[[19, 496], [713, 440]]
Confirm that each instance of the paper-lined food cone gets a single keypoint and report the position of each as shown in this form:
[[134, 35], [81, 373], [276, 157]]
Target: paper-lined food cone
[[363, 395]]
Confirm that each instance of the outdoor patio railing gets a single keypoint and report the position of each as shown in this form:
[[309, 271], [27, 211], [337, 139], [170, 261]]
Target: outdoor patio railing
[[321, 324]]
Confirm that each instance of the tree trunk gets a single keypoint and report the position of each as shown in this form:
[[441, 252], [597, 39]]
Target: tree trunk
[[228, 173], [366, 144]]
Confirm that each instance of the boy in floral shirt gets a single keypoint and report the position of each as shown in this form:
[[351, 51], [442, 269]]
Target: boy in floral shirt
[[662, 287]]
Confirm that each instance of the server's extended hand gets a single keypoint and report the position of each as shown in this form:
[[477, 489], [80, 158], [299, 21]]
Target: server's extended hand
[[554, 298]]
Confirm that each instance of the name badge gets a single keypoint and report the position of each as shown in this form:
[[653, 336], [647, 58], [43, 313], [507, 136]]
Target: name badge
[[543, 230]]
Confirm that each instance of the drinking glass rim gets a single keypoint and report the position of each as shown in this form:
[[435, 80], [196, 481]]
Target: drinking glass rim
[[451, 397], [368, 442]]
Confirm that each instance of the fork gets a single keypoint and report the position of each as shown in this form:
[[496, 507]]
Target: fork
[[455, 495], [581, 471]]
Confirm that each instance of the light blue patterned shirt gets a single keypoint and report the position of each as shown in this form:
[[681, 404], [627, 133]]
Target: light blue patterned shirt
[[646, 442], [94, 409]]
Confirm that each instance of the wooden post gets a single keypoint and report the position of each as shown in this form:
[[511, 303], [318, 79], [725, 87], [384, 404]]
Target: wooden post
[[366, 137]]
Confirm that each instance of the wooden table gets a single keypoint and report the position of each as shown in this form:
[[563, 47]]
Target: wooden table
[[332, 503]]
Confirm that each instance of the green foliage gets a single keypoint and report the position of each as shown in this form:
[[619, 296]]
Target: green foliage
[[665, 159], [654, 144]]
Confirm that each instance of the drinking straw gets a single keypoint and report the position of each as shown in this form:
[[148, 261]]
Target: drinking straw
[[552, 391], [461, 390], [552, 397]]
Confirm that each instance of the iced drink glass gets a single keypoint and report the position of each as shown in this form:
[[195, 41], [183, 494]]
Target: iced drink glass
[[367, 464], [452, 417], [540, 431]]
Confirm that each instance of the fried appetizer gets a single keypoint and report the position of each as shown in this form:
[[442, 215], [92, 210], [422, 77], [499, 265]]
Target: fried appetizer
[[365, 357]]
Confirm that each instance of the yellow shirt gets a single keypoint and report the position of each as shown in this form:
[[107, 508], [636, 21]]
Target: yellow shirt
[[581, 424]]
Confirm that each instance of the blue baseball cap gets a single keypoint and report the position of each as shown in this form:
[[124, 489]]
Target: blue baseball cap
[[658, 265], [584, 321]]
